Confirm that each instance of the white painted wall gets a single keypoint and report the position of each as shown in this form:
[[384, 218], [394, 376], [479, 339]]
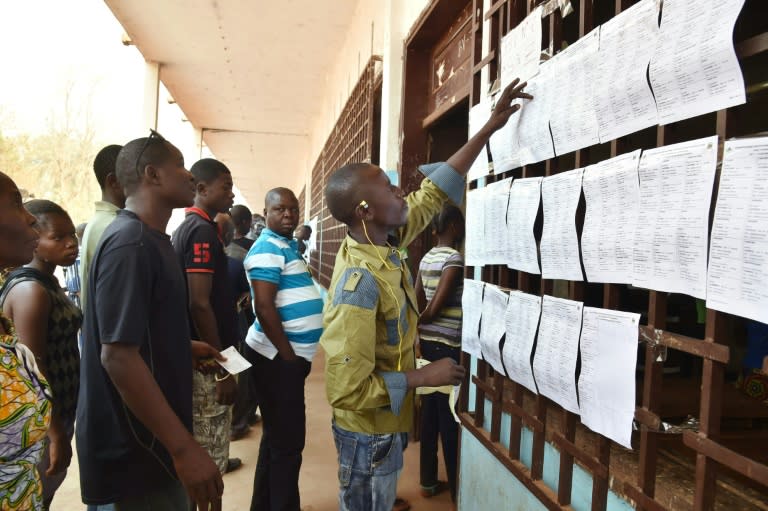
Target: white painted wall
[[379, 28]]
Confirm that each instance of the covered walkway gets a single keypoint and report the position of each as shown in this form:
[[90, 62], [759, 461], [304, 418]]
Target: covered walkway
[[318, 474]]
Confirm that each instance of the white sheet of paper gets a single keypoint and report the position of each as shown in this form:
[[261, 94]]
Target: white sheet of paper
[[521, 319], [505, 151], [520, 50], [453, 399], [737, 280], [607, 380], [445, 389], [492, 328], [559, 246], [694, 69], [624, 102], [554, 363], [478, 116], [495, 239], [672, 227], [574, 123], [474, 243], [533, 134], [235, 362], [612, 192], [523, 207], [472, 309]]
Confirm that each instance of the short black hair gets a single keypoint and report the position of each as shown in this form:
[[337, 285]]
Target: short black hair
[[40, 208], [308, 228], [277, 192], [450, 214], [208, 170], [136, 155], [341, 192], [104, 163], [241, 216]]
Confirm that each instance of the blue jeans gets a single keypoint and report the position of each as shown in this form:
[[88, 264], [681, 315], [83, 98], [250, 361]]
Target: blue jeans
[[369, 465]]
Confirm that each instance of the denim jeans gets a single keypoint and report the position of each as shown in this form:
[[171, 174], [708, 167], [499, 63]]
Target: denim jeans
[[369, 465]]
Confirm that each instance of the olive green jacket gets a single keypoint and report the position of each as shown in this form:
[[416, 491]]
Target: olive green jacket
[[370, 318]]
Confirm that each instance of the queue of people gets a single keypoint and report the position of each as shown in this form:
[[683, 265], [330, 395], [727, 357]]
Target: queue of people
[[150, 410]]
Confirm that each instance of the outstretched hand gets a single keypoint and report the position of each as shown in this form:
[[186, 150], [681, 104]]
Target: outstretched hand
[[504, 108]]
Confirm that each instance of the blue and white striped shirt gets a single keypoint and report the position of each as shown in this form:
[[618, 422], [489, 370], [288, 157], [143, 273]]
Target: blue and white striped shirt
[[276, 259]]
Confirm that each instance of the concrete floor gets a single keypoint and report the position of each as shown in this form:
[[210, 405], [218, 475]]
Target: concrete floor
[[318, 483]]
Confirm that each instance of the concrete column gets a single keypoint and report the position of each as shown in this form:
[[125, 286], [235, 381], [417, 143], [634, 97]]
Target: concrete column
[[392, 84], [151, 94]]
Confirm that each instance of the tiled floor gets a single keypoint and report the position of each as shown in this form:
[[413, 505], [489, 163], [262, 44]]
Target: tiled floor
[[318, 482]]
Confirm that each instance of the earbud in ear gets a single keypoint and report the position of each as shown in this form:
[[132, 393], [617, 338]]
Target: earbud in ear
[[363, 204]]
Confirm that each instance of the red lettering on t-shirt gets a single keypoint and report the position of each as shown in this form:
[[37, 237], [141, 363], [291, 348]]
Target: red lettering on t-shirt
[[202, 253]]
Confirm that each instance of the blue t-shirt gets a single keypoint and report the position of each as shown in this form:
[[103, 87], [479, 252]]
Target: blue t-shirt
[[276, 259]]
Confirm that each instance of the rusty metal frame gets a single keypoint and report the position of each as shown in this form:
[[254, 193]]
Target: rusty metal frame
[[537, 413]]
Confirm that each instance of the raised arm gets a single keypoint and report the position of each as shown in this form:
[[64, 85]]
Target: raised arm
[[466, 155]]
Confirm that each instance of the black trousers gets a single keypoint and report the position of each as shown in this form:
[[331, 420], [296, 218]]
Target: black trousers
[[279, 389], [437, 420]]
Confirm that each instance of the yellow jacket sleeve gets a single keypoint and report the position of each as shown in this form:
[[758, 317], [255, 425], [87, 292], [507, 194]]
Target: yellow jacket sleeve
[[442, 183]]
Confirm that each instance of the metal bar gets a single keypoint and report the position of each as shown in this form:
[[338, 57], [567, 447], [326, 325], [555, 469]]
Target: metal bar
[[709, 416], [494, 7], [480, 385], [498, 384], [592, 463], [642, 500], [655, 337], [712, 380], [600, 484], [515, 409], [521, 415], [752, 46], [537, 451], [565, 484], [647, 418], [748, 467], [487, 60]]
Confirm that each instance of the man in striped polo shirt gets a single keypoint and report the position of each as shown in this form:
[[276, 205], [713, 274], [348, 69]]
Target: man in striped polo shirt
[[283, 339]]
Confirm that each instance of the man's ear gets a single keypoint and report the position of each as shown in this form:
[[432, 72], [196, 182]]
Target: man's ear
[[363, 211], [151, 173], [111, 182], [200, 188]]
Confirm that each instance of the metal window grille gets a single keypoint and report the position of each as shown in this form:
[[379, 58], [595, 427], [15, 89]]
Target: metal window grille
[[702, 468]]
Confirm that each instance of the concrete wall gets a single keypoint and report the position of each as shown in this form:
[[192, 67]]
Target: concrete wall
[[380, 28], [486, 484]]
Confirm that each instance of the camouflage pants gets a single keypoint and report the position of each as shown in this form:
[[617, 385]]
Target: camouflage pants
[[211, 421]]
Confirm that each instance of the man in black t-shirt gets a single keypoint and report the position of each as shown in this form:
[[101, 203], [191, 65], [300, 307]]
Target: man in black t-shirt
[[212, 312], [134, 417]]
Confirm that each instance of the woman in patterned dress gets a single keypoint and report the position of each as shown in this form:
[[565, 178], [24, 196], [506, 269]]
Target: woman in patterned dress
[[47, 322], [24, 404]]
